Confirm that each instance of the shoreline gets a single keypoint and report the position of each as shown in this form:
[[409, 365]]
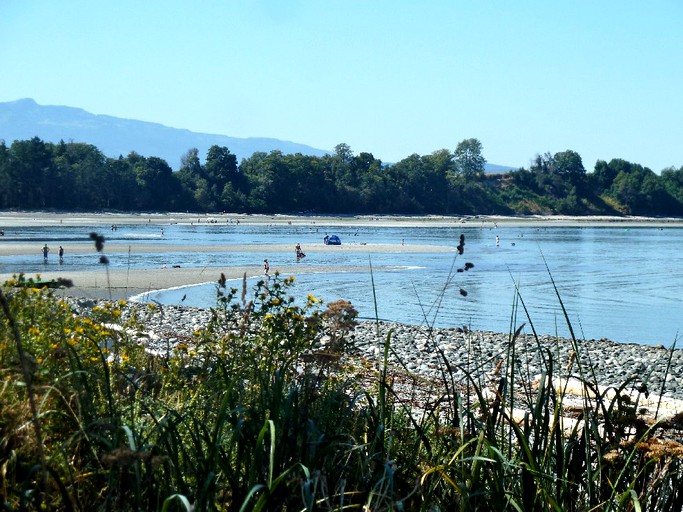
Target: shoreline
[[122, 284], [11, 248], [420, 348], [42, 218], [420, 351], [151, 279]]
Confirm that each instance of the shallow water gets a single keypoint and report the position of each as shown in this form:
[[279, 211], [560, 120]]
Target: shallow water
[[624, 284]]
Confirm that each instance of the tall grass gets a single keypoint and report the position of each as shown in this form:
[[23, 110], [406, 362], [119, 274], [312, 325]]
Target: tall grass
[[270, 407]]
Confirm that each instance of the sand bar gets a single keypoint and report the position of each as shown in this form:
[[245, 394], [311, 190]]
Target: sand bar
[[9, 219], [87, 247], [121, 284]]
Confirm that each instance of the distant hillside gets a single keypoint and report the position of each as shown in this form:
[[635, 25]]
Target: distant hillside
[[25, 119], [499, 169], [114, 136]]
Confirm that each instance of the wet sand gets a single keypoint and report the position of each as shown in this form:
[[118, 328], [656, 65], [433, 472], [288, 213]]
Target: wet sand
[[15, 249], [122, 284], [9, 219]]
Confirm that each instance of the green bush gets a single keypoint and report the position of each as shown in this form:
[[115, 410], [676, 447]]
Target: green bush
[[254, 412]]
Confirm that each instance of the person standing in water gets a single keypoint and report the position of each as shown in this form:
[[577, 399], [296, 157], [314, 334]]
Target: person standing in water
[[61, 254], [46, 250]]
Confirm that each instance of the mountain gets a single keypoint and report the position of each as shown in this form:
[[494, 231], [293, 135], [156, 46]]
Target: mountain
[[498, 169], [24, 119]]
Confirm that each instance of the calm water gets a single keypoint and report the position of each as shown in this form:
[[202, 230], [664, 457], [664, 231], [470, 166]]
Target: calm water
[[617, 283]]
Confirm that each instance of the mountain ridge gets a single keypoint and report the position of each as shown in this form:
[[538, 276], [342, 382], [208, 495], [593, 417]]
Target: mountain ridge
[[24, 119]]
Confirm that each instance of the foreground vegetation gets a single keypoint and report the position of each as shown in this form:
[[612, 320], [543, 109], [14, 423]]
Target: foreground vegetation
[[77, 176], [250, 413]]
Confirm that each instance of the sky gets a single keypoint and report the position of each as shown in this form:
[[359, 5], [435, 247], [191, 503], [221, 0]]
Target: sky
[[392, 78]]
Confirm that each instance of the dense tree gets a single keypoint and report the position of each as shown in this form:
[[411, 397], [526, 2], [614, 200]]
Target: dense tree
[[194, 185], [424, 181], [344, 173], [378, 193], [561, 176], [8, 181], [469, 159], [269, 183], [440, 171], [569, 166], [672, 181], [603, 175], [217, 185], [30, 162], [122, 185], [310, 187], [85, 182], [407, 175], [157, 188], [190, 168], [343, 153], [77, 176]]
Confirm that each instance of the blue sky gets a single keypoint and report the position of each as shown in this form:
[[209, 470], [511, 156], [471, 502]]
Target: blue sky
[[603, 78]]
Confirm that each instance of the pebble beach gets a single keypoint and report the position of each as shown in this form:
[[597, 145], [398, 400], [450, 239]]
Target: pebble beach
[[419, 350], [423, 351]]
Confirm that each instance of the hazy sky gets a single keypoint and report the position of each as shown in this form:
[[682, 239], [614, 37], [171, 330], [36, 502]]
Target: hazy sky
[[603, 78]]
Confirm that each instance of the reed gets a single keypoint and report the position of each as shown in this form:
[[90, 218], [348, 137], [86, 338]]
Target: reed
[[271, 408]]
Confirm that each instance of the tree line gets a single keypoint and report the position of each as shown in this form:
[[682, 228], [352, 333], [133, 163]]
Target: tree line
[[35, 174]]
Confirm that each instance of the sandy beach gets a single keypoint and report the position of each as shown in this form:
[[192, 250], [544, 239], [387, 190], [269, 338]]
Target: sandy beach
[[10, 218], [615, 362], [122, 284]]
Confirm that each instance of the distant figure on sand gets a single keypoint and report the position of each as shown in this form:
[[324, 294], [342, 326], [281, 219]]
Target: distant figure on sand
[[61, 254], [266, 268], [46, 250]]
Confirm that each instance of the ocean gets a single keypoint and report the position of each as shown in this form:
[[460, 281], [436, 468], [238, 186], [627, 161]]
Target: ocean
[[624, 284]]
